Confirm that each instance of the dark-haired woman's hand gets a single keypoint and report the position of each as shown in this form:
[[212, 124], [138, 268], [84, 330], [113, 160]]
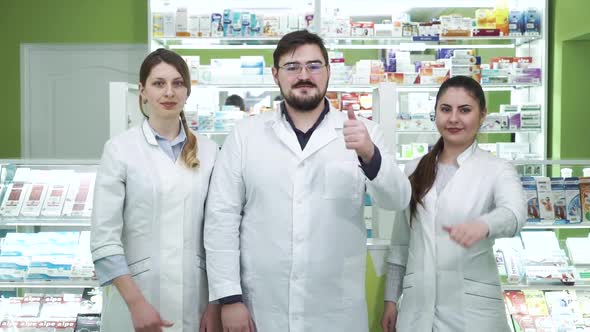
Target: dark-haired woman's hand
[[469, 233]]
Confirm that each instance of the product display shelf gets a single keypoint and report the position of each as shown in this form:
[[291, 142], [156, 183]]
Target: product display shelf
[[514, 162], [53, 186], [554, 162], [345, 42], [364, 87], [49, 284], [435, 132], [401, 88], [274, 87], [45, 221], [532, 226], [214, 132], [576, 286]]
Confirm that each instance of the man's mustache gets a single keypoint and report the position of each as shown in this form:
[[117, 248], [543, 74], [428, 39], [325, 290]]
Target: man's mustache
[[304, 83]]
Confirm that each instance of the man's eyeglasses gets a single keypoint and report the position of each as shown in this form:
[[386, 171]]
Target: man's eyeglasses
[[295, 68]]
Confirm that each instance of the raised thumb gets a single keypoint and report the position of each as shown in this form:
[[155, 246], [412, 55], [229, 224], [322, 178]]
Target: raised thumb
[[351, 115], [447, 228]]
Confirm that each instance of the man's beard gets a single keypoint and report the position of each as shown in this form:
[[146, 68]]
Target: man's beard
[[305, 103]]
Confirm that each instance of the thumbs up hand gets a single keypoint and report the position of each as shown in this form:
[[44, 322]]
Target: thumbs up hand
[[356, 137]]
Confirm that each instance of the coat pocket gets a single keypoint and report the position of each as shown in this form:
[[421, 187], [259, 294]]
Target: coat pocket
[[409, 292], [410, 309], [342, 181], [486, 290], [353, 280], [408, 281], [483, 306], [483, 296]]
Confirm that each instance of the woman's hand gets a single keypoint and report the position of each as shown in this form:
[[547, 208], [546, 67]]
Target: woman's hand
[[389, 317], [469, 233], [145, 317]]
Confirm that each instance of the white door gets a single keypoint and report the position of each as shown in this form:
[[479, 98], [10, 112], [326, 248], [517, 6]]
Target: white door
[[65, 96]]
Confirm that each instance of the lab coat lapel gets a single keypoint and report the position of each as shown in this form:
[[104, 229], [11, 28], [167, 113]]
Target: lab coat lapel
[[148, 134], [430, 202], [461, 160], [285, 133], [325, 133]]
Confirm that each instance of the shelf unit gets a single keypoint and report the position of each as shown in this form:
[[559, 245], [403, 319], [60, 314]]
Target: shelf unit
[[345, 43], [49, 284], [576, 230], [387, 98], [210, 90], [47, 172], [547, 287]]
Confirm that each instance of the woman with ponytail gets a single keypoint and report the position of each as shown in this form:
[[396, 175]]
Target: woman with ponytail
[[151, 187], [441, 261]]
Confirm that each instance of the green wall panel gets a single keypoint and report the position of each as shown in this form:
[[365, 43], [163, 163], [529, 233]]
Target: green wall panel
[[375, 288], [575, 112], [60, 21], [568, 21]]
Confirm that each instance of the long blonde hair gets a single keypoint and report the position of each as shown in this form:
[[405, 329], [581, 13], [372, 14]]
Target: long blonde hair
[[191, 148]]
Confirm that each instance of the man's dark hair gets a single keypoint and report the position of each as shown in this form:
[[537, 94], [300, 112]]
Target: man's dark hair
[[291, 41], [237, 101]]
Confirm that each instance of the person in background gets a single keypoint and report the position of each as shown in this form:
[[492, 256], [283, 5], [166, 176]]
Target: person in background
[[151, 186], [284, 230], [441, 256], [236, 101]]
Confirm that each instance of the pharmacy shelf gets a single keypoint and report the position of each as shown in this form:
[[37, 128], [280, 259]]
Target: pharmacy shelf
[[49, 284], [271, 87], [577, 286], [530, 226], [362, 87], [51, 162], [563, 162], [375, 243], [433, 132], [348, 42], [486, 87], [213, 132], [218, 43], [41, 221]]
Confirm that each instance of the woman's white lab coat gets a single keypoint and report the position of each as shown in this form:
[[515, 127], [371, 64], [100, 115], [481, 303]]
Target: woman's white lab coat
[[284, 226], [448, 288], [150, 209]]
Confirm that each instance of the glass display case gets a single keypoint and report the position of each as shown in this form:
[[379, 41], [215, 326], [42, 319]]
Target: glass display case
[[47, 276]]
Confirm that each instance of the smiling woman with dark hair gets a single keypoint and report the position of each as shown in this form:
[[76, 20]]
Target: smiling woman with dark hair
[[441, 258]]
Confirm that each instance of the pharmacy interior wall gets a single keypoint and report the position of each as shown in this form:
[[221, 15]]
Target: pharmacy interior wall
[[568, 93], [64, 21]]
